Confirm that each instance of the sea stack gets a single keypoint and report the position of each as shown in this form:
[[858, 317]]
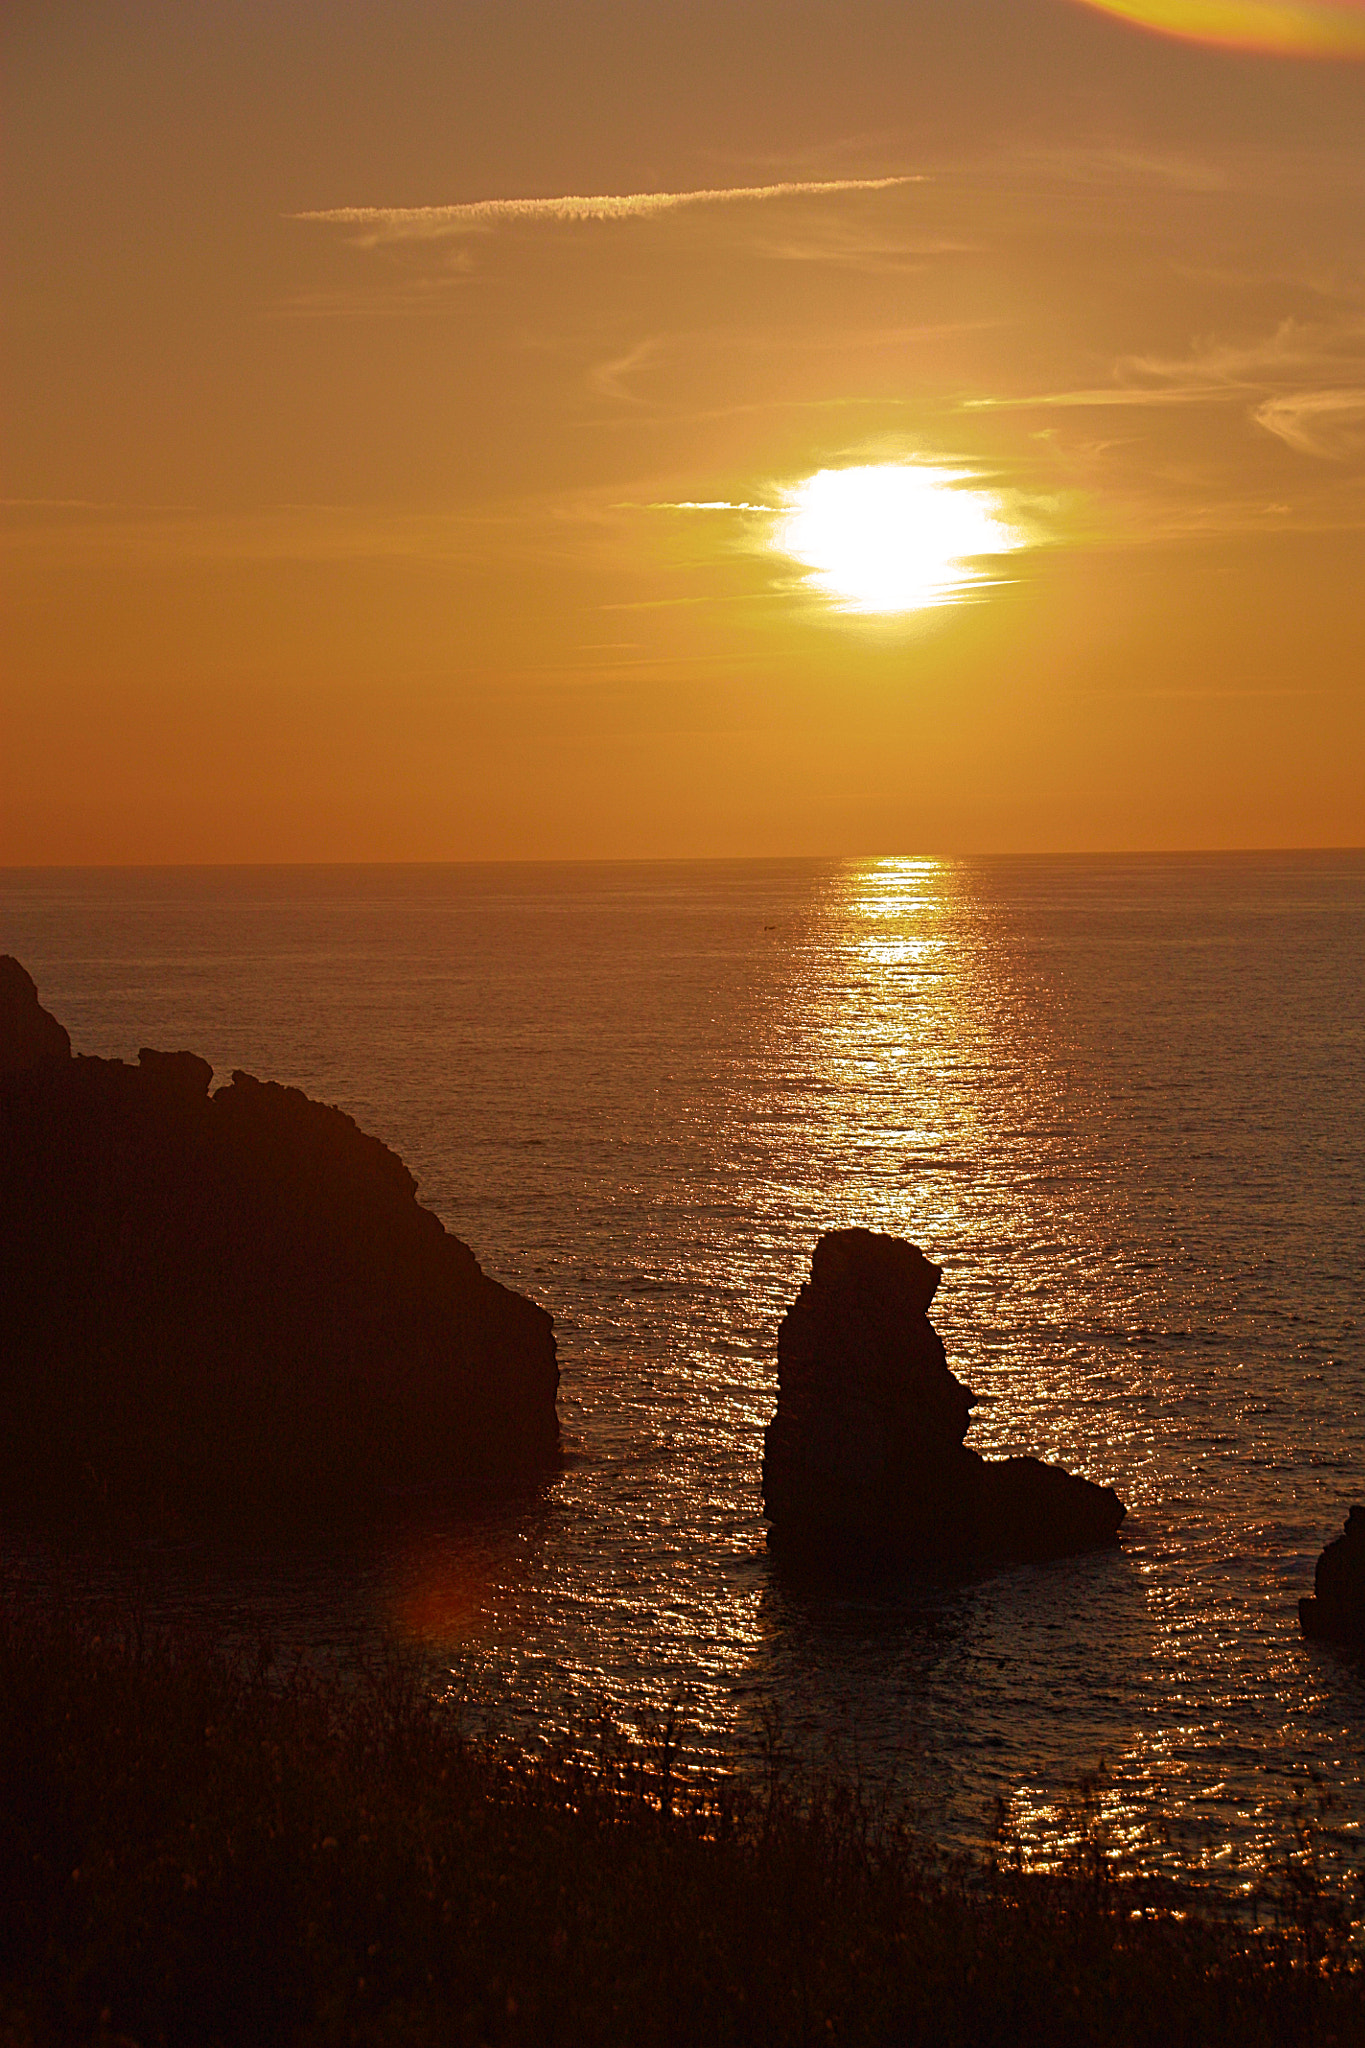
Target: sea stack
[[864, 1462], [233, 1301], [1336, 1611]]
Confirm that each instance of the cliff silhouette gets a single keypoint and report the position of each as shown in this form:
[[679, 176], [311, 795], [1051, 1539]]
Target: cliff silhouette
[[232, 1301], [864, 1462]]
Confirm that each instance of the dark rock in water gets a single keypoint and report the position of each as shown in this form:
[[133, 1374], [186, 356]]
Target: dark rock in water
[[864, 1461], [1336, 1613], [234, 1301]]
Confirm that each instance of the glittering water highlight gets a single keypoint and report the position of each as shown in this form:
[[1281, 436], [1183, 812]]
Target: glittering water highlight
[[1120, 1102]]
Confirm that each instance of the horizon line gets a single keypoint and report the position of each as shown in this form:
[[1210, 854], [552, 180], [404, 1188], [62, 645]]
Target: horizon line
[[667, 859]]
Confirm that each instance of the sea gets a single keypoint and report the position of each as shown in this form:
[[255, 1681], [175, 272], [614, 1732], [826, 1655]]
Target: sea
[[1120, 1101]]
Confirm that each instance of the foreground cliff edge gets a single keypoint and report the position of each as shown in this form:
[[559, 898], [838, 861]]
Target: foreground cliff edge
[[233, 1301], [864, 1462]]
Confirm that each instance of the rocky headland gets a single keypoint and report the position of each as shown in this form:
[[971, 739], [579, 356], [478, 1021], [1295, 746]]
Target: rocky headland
[[864, 1462], [1335, 1612], [232, 1301]]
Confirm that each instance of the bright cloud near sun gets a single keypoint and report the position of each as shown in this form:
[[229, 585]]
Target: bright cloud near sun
[[892, 536]]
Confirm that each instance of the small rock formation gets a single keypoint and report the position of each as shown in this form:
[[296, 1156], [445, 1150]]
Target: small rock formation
[[864, 1461], [1336, 1612], [29, 1036], [233, 1301]]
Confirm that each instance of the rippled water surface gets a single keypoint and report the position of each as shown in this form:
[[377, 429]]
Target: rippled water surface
[[1120, 1102]]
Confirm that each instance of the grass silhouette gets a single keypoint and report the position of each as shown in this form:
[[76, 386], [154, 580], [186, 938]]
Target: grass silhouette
[[197, 1848]]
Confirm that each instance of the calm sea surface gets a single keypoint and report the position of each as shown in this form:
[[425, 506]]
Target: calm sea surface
[[1121, 1102]]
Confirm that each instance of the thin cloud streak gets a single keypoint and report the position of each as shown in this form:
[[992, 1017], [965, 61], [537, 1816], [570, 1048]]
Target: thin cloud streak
[[1326, 423], [1326, 420], [479, 216], [1105, 395], [608, 380]]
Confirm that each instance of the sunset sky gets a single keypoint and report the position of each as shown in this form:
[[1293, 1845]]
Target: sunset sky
[[411, 410]]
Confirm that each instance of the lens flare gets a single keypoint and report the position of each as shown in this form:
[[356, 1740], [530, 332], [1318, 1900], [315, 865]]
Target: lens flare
[[1294, 28], [891, 536]]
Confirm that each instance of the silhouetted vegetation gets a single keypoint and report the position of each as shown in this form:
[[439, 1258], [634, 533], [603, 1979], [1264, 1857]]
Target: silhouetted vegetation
[[196, 1848]]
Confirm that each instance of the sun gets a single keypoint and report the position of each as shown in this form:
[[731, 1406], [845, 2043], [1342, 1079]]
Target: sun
[[891, 536], [1301, 28]]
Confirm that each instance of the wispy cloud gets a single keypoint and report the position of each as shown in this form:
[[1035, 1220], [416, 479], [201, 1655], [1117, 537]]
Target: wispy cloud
[[1104, 395], [479, 216], [1291, 346], [609, 379], [1272, 374], [1326, 423], [874, 247], [1214, 371], [1107, 165]]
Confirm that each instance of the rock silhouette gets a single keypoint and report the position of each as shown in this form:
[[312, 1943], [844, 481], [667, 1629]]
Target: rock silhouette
[[29, 1036], [864, 1461], [1336, 1610], [234, 1301]]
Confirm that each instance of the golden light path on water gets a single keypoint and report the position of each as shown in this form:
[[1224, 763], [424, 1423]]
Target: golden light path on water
[[1116, 1101], [907, 1035], [1300, 28]]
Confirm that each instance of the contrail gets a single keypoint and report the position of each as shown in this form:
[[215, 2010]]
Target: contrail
[[421, 222]]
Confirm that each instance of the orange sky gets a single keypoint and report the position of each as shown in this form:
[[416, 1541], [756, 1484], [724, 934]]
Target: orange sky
[[364, 537]]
